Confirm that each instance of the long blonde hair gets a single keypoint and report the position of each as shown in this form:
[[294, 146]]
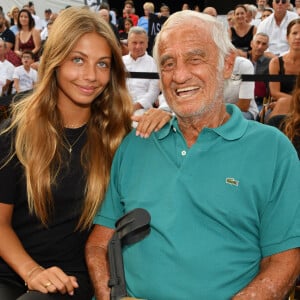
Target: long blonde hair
[[37, 123]]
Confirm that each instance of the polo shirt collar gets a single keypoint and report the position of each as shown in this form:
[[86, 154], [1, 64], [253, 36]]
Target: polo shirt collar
[[233, 129]]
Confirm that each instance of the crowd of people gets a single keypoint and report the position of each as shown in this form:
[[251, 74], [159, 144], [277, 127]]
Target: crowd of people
[[222, 188]]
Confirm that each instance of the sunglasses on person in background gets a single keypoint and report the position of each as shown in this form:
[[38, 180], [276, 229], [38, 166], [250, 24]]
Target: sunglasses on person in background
[[282, 1]]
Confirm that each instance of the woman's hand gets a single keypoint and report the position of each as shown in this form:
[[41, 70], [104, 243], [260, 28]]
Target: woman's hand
[[152, 120], [52, 280]]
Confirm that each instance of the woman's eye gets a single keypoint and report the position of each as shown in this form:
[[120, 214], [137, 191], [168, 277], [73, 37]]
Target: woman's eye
[[77, 60], [103, 64]]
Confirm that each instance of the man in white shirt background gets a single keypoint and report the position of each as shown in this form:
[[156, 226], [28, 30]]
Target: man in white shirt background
[[144, 91], [275, 27]]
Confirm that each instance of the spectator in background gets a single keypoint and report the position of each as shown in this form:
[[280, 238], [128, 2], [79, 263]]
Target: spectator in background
[[104, 13], [38, 24], [241, 33], [45, 31], [297, 7], [259, 45], [251, 14], [6, 70], [24, 76], [94, 5], [266, 13], [124, 35], [230, 18], [144, 92], [164, 11], [5, 33], [261, 5], [13, 16], [241, 93], [210, 11], [287, 64], [47, 16], [28, 37], [290, 123], [144, 20], [275, 27], [185, 6], [128, 12]]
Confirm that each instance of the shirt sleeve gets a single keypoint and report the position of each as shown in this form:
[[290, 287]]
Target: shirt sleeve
[[111, 209], [247, 87], [280, 221]]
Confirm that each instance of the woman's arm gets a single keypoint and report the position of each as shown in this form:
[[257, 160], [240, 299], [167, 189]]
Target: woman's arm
[[17, 45], [37, 278], [275, 86], [37, 41]]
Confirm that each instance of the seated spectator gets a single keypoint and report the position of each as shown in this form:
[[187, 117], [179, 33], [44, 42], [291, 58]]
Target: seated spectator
[[13, 16], [259, 44], [290, 123], [230, 18], [104, 13], [241, 93], [144, 92], [266, 13], [251, 14], [144, 20], [275, 27], [287, 64], [210, 11], [261, 5], [241, 33], [6, 70], [44, 33], [124, 35], [5, 33], [28, 38], [24, 76], [128, 12], [164, 11]]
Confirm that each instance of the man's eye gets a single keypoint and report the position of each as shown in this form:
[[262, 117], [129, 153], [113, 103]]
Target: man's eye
[[168, 66]]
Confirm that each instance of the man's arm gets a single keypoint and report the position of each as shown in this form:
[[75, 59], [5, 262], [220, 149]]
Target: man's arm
[[276, 278], [97, 260]]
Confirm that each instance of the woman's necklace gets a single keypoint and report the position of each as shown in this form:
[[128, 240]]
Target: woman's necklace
[[70, 146]]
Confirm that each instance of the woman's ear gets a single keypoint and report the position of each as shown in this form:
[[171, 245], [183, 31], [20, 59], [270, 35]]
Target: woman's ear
[[228, 65]]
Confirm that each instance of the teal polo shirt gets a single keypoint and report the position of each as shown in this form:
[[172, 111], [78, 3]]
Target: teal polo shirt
[[217, 208]]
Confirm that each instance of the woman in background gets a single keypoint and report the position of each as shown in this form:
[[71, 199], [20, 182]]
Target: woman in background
[[287, 64], [290, 123], [28, 38]]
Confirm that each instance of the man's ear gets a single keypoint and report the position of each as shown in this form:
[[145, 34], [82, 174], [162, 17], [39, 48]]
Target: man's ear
[[228, 65]]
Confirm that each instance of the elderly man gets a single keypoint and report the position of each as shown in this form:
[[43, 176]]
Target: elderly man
[[144, 92], [275, 27], [222, 191]]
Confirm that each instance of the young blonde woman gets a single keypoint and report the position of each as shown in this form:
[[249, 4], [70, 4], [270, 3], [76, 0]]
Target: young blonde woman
[[55, 159]]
